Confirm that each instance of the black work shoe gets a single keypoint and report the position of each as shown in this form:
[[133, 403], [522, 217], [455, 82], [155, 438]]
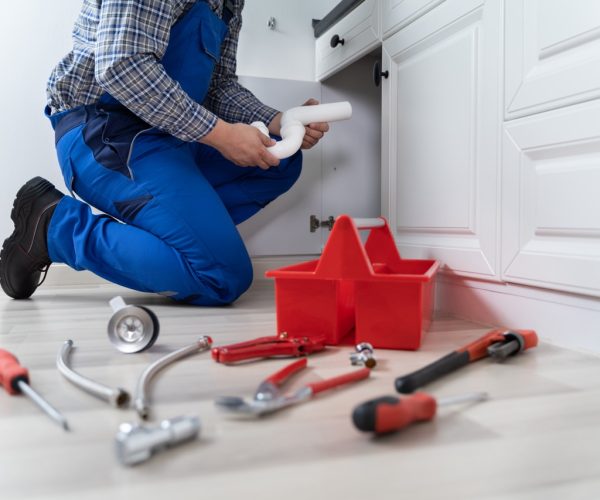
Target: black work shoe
[[24, 256]]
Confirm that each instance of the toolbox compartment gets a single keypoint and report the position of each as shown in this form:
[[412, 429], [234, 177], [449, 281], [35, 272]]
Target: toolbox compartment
[[357, 293]]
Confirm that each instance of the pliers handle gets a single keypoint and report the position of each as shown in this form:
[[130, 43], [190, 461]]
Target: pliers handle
[[280, 377], [267, 347]]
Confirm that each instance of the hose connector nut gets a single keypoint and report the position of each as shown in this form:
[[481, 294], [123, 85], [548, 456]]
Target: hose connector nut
[[363, 355]]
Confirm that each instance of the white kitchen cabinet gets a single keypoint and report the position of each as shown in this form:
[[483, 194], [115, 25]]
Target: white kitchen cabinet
[[551, 200], [441, 125], [358, 33], [552, 54], [340, 175], [491, 157], [396, 14]]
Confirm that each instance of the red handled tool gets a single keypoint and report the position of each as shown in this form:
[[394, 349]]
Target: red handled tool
[[268, 347], [15, 380], [269, 396], [498, 344], [389, 413]]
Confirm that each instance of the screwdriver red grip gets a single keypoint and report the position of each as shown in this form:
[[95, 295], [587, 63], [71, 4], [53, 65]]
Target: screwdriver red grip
[[389, 413], [11, 372]]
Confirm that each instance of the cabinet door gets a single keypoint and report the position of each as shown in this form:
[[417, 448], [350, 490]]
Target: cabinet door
[[552, 54], [396, 14], [441, 133], [551, 202]]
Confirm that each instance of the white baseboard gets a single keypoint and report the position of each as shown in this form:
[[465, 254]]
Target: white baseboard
[[63, 275], [564, 319]]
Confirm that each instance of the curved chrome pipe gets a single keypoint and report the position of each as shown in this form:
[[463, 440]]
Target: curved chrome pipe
[[140, 402], [116, 397]]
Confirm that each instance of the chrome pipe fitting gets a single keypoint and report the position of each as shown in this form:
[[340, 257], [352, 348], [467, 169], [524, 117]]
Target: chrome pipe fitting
[[116, 397], [141, 403], [363, 355], [137, 443]]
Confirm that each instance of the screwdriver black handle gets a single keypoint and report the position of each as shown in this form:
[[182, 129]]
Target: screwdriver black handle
[[388, 413], [411, 382]]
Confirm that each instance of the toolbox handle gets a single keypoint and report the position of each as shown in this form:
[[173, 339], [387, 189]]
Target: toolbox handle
[[345, 255], [364, 223]]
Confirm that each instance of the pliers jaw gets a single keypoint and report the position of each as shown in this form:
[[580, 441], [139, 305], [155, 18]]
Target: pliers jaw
[[269, 396], [268, 347]]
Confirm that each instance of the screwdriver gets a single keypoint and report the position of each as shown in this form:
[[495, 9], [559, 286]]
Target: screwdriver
[[389, 413], [15, 379]]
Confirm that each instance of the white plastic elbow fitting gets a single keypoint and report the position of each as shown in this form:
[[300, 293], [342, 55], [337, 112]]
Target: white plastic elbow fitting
[[293, 121]]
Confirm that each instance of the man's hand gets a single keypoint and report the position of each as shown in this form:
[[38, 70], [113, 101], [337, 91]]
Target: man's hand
[[314, 131], [242, 144]]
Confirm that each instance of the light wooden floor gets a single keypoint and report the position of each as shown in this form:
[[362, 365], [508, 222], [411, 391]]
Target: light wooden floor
[[537, 438]]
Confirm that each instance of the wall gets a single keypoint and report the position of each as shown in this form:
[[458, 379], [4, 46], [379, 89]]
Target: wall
[[32, 48], [286, 52]]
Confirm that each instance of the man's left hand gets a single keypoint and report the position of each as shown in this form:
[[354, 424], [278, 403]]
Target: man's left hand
[[313, 131]]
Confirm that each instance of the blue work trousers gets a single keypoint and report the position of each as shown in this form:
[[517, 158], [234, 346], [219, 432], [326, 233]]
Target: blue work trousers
[[171, 207], [171, 225]]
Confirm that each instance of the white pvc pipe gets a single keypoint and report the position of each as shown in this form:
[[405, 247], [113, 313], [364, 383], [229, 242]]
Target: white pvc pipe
[[293, 122]]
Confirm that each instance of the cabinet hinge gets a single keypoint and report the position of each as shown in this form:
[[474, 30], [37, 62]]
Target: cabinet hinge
[[315, 223]]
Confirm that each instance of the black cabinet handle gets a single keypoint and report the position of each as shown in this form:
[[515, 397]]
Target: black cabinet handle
[[377, 74], [336, 40]]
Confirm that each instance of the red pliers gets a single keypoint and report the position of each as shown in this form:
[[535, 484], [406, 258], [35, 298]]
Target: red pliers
[[268, 347]]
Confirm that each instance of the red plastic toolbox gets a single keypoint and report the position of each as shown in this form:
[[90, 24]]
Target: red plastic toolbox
[[357, 293]]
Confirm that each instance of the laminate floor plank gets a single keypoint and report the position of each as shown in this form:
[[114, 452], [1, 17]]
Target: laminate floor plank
[[535, 438]]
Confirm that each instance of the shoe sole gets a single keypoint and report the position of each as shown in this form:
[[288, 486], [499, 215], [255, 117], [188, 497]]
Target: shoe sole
[[32, 189]]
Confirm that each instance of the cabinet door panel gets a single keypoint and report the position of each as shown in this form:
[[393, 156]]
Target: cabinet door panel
[[552, 54], [441, 129], [551, 202]]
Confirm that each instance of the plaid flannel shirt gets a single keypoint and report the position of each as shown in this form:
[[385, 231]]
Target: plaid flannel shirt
[[117, 48]]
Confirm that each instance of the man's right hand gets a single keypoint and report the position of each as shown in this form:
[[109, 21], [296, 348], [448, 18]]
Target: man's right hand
[[241, 144]]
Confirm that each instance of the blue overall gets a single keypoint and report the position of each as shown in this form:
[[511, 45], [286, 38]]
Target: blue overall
[[171, 206]]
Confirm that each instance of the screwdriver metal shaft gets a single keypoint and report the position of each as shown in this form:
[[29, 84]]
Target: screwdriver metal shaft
[[389, 413], [14, 378], [46, 407], [472, 397]]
